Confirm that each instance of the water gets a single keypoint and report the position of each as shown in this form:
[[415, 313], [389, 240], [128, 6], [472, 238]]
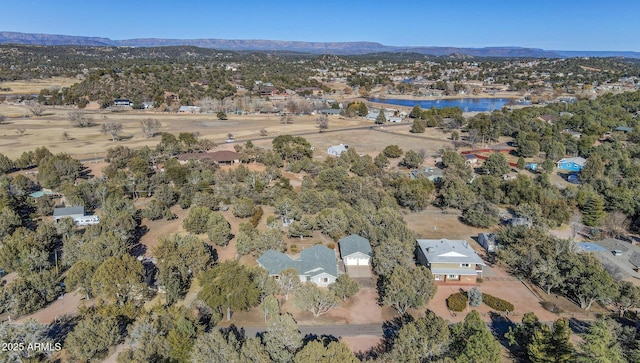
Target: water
[[466, 104]]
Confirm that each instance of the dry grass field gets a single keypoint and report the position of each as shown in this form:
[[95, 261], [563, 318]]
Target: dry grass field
[[23, 132], [34, 86]]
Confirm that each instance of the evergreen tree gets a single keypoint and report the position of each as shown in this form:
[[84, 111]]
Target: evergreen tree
[[381, 118], [473, 342]]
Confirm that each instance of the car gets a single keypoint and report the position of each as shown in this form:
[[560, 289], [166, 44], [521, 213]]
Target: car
[[617, 252], [229, 140]]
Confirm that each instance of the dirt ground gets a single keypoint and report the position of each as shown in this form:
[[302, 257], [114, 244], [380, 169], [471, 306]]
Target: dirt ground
[[66, 305]]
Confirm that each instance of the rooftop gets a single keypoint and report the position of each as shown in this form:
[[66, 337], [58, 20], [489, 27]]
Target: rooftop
[[353, 244], [449, 251], [313, 261]]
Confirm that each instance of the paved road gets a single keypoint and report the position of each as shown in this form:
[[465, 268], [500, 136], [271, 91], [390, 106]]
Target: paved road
[[334, 330]]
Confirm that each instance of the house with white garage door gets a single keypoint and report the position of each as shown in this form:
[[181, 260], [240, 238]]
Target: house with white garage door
[[355, 251]]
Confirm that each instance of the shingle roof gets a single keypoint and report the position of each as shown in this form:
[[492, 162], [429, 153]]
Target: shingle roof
[[448, 251], [313, 261], [354, 243], [577, 160]]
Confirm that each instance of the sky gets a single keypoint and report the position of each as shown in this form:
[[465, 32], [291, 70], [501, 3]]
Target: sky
[[594, 25]]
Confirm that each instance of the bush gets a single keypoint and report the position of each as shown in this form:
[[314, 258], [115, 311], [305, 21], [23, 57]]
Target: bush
[[497, 303], [475, 297], [457, 302], [392, 151], [294, 248], [243, 208], [549, 306], [255, 218]]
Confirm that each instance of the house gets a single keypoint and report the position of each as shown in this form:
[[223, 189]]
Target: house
[[550, 119], [77, 214], [189, 109], [147, 105], [355, 250], [470, 159], [431, 173], [571, 164], [520, 221], [336, 150], [122, 102], [222, 157], [488, 241], [623, 129], [330, 112], [450, 261], [316, 264]]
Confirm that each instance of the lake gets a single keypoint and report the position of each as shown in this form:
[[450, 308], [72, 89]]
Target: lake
[[466, 104]]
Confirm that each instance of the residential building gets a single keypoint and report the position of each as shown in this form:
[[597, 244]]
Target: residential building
[[450, 261], [316, 264], [77, 214], [336, 150], [431, 173], [122, 102], [189, 109], [355, 250], [571, 164], [222, 157]]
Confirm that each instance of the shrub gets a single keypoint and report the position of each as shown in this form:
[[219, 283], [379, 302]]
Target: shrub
[[549, 306], [294, 248], [255, 218], [475, 297], [457, 302], [497, 303], [243, 208]]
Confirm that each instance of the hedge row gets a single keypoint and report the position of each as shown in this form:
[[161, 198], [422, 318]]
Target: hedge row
[[497, 303], [457, 302]]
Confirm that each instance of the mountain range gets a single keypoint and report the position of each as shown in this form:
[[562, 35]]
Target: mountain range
[[338, 48]]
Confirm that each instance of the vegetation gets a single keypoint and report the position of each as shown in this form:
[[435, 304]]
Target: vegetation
[[457, 302]]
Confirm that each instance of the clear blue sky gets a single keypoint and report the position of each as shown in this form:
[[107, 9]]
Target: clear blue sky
[[548, 24]]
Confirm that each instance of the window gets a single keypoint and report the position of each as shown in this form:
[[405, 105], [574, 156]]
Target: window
[[325, 279], [452, 276], [464, 265], [437, 277]]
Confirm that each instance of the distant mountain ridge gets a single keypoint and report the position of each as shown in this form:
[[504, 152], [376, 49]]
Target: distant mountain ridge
[[339, 48]]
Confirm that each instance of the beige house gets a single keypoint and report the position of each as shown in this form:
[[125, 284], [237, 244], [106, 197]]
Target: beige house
[[450, 261]]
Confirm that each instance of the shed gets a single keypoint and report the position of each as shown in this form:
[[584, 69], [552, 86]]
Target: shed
[[571, 164], [488, 241], [336, 150]]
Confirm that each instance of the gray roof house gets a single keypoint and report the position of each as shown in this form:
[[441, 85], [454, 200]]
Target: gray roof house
[[488, 241], [450, 261], [316, 264], [355, 250], [77, 214]]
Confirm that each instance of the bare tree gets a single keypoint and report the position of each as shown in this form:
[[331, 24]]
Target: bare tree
[[263, 132], [150, 127], [80, 119], [576, 224], [65, 136], [323, 122], [617, 224], [36, 108], [112, 128], [20, 132]]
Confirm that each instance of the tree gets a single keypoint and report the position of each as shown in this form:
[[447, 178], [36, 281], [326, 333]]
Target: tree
[[593, 169], [320, 352], [56, 169], [496, 164], [323, 122], [26, 332], [381, 161], [198, 220], [482, 214], [392, 151], [587, 281], [362, 109], [289, 282], [36, 108], [215, 346], [475, 297], [424, 340], [593, 211], [315, 300], [600, 343], [6, 164], [181, 338], [344, 287], [80, 119], [412, 160], [9, 221], [548, 165], [150, 127], [92, 337], [119, 279], [243, 207], [628, 297], [219, 230], [112, 128], [473, 342], [228, 286], [80, 276], [528, 148], [381, 118], [521, 164], [418, 127], [270, 307], [408, 288], [282, 338]]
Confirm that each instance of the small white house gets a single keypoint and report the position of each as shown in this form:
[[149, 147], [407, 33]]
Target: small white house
[[77, 214], [336, 150], [316, 264], [355, 250]]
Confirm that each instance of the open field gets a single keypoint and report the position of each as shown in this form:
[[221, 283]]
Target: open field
[[35, 85]]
